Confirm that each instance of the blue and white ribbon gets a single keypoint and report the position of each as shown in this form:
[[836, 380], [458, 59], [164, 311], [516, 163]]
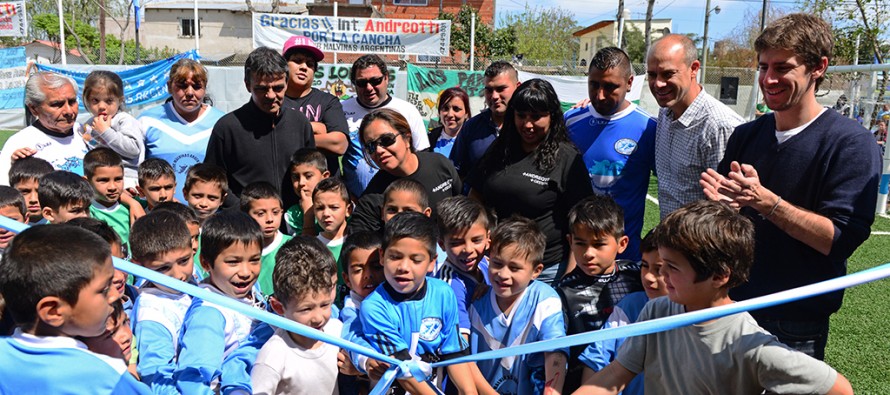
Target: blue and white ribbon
[[421, 371]]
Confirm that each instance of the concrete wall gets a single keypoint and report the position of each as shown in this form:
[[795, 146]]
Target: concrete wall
[[222, 31]]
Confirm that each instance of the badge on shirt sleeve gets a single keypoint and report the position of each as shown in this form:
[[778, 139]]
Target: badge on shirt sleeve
[[430, 328], [625, 146]]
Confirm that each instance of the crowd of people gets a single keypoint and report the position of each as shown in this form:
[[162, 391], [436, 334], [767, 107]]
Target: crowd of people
[[519, 224]]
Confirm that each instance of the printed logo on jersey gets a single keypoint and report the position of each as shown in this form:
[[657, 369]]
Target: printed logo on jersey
[[72, 164], [430, 328], [182, 163], [625, 146], [536, 179], [445, 186]]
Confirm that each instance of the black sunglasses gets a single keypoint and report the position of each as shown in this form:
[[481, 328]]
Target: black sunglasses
[[384, 141], [375, 81]]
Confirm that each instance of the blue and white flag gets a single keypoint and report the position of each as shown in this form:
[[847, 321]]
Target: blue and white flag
[[143, 84]]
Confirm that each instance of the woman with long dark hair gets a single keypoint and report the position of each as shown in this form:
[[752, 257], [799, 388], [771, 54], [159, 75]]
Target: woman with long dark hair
[[532, 169]]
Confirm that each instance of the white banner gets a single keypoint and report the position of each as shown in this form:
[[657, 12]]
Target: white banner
[[13, 20], [355, 35]]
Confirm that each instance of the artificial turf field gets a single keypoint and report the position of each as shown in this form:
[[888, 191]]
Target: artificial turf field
[[860, 332]]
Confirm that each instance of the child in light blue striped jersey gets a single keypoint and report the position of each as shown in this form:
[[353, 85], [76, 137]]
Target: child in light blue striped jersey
[[518, 310]]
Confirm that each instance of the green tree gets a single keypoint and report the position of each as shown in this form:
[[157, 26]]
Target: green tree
[[869, 19], [634, 44], [544, 33], [489, 43]]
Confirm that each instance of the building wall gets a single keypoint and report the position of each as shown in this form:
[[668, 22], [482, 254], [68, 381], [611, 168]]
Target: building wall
[[221, 31], [431, 10], [592, 42]]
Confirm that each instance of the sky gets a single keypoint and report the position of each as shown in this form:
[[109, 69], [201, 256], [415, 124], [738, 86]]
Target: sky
[[688, 15]]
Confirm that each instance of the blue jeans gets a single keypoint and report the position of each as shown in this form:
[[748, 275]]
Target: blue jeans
[[808, 337]]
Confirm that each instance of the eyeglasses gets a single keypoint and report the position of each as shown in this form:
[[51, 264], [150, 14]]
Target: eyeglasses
[[385, 141], [375, 81]]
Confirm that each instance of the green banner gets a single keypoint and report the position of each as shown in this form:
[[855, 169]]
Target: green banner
[[425, 85]]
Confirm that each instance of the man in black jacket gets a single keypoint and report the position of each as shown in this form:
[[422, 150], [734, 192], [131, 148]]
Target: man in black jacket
[[255, 142]]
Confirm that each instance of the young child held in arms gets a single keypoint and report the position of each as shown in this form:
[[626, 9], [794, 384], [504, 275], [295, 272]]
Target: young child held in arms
[[63, 196], [43, 356], [308, 166], [12, 206], [231, 250], [261, 201], [332, 209], [598, 281], [412, 316], [517, 310], [289, 363], [24, 176], [157, 182], [103, 96], [463, 235], [160, 241], [103, 168], [707, 249], [205, 189], [598, 354]]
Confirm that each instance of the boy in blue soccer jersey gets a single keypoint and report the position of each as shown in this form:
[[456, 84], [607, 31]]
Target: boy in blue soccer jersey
[[160, 241], [63, 196], [12, 206], [599, 280], [42, 355], [518, 310], [463, 225], [411, 316], [157, 182], [231, 250], [104, 169]]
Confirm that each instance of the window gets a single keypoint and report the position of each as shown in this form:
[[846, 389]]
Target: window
[[187, 27], [411, 2], [428, 59]]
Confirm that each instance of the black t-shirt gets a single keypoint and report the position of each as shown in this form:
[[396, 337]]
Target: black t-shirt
[[322, 107], [434, 171], [544, 197]]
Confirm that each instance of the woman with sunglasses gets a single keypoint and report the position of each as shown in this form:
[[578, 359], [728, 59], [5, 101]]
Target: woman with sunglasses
[[533, 170], [386, 140], [454, 110]]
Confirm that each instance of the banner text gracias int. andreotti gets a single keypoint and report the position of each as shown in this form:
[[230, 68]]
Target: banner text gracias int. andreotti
[[355, 35]]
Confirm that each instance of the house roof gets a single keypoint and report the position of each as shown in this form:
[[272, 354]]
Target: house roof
[[602, 24], [593, 27], [72, 51], [241, 6]]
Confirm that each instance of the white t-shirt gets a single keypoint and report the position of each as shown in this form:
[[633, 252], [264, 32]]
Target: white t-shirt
[[63, 152], [783, 136], [283, 367]]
